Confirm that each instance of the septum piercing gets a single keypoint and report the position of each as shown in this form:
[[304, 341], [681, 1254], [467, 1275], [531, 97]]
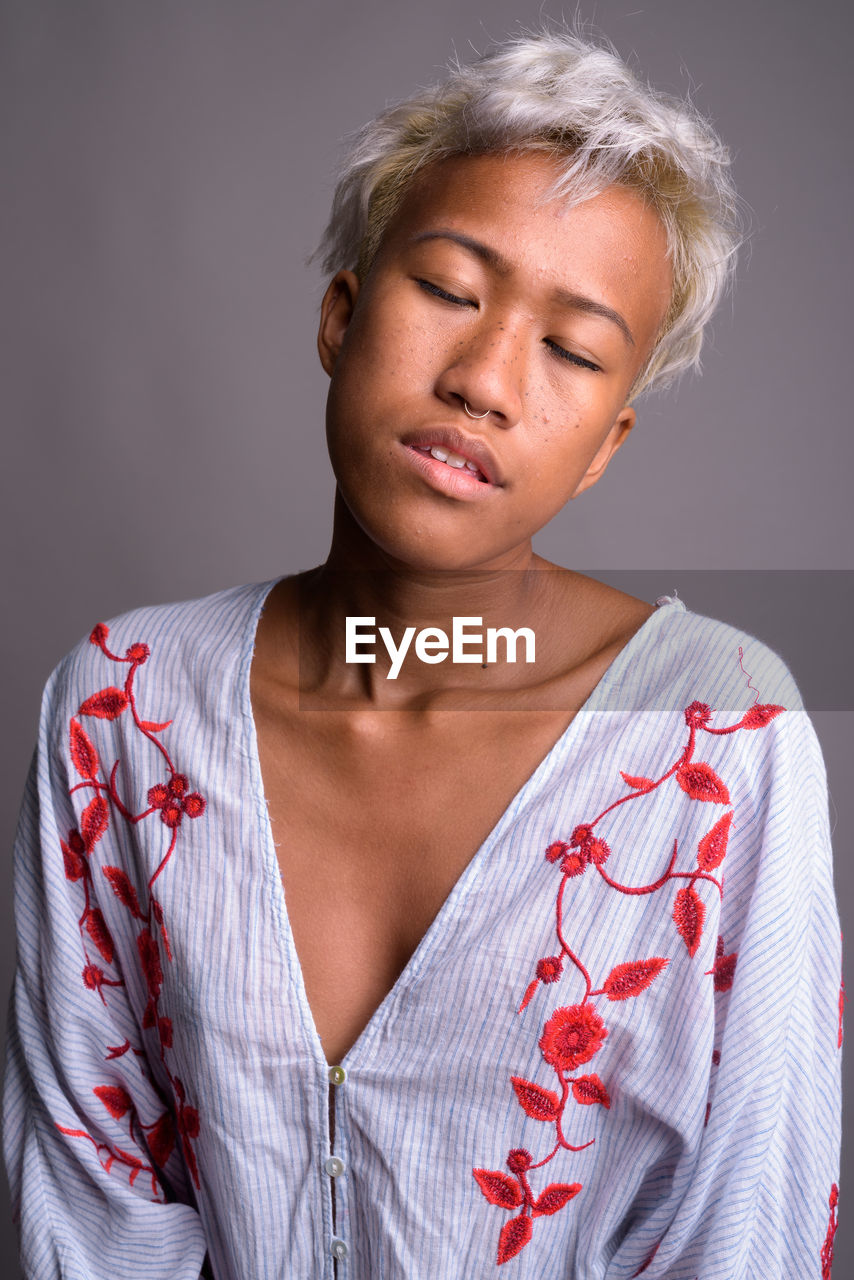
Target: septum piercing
[[474, 415]]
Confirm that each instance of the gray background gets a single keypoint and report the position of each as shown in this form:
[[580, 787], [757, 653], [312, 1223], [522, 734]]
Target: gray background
[[167, 169]]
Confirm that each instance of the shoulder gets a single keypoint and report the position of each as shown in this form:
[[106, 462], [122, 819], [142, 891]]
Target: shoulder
[[193, 639], [683, 653]]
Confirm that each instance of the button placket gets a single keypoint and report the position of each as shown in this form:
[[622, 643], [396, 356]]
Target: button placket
[[334, 1166]]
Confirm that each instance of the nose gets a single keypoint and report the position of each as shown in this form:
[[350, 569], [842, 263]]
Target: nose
[[486, 372]]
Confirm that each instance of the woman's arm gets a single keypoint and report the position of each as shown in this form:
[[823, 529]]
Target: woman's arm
[[99, 1188], [760, 1182]]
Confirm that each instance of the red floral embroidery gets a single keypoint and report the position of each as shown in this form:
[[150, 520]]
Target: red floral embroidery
[[172, 800], [572, 1036], [575, 1033], [833, 1223]]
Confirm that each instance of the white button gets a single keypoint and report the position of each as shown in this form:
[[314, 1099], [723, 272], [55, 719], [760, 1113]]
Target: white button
[[339, 1249], [337, 1075], [334, 1167]]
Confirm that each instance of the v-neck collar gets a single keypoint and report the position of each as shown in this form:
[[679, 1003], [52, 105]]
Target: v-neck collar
[[471, 872]]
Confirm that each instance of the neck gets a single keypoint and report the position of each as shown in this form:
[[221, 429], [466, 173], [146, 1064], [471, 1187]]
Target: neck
[[359, 580]]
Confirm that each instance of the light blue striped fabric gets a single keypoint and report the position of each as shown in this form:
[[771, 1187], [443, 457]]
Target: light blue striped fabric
[[215, 1033]]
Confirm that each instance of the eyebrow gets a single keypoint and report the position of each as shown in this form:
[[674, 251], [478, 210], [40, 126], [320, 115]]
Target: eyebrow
[[565, 297]]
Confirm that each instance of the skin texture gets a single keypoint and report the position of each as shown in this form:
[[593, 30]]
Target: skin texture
[[380, 792]]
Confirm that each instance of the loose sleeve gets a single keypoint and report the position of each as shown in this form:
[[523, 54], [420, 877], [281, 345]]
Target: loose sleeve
[[98, 1186], [755, 1192]]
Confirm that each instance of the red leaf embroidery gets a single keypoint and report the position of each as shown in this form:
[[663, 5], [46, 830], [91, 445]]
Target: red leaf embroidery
[[699, 780], [555, 1196], [826, 1256], [498, 1188], [97, 929], [689, 912], [515, 1234], [117, 1050], [589, 1090], [106, 705], [117, 1101], [83, 752], [631, 979], [75, 863], [760, 714], [711, 850], [93, 822], [161, 1139], [123, 889], [150, 959], [155, 726], [638, 784], [536, 1102], [724, 972]]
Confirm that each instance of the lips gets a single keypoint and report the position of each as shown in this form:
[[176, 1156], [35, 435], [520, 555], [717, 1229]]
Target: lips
[[451, 440]]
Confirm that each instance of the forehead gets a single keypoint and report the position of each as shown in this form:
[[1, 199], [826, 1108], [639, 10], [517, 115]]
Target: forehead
[[613, 244]]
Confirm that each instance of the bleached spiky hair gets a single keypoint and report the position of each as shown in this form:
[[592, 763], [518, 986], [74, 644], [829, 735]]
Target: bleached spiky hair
[[558, 92]]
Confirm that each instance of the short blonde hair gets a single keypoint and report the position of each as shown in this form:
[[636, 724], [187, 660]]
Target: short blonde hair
[[556, 91]]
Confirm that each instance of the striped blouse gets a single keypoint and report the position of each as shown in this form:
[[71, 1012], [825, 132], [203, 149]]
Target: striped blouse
[[615, 1052]]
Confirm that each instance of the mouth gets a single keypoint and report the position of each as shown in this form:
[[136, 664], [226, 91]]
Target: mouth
[[457, 451], [450, 459]]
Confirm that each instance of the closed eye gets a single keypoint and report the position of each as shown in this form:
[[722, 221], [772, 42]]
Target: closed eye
[[443, 293], [563, 354]]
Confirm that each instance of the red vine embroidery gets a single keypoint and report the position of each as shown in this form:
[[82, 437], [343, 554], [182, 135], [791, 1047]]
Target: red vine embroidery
[[173, 801], [833, 1223], [574, 1034]]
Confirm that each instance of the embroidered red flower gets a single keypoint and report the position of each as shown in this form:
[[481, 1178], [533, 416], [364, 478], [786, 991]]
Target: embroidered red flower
[[571, 1036], [174, 801], [549, 968], [93, 977], [573, 864], [698, 715]]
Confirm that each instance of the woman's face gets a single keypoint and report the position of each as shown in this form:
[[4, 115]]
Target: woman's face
[[537, 315]]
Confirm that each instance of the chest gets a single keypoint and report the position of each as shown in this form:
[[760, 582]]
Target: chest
[[373, 826]]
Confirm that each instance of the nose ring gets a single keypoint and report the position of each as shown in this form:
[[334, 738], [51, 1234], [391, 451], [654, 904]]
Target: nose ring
[[474, 415]]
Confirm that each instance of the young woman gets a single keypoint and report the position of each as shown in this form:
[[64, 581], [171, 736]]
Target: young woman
[[441, 909]]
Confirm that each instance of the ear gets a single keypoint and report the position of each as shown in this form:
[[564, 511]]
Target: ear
[[618, 433], [336, 312]]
